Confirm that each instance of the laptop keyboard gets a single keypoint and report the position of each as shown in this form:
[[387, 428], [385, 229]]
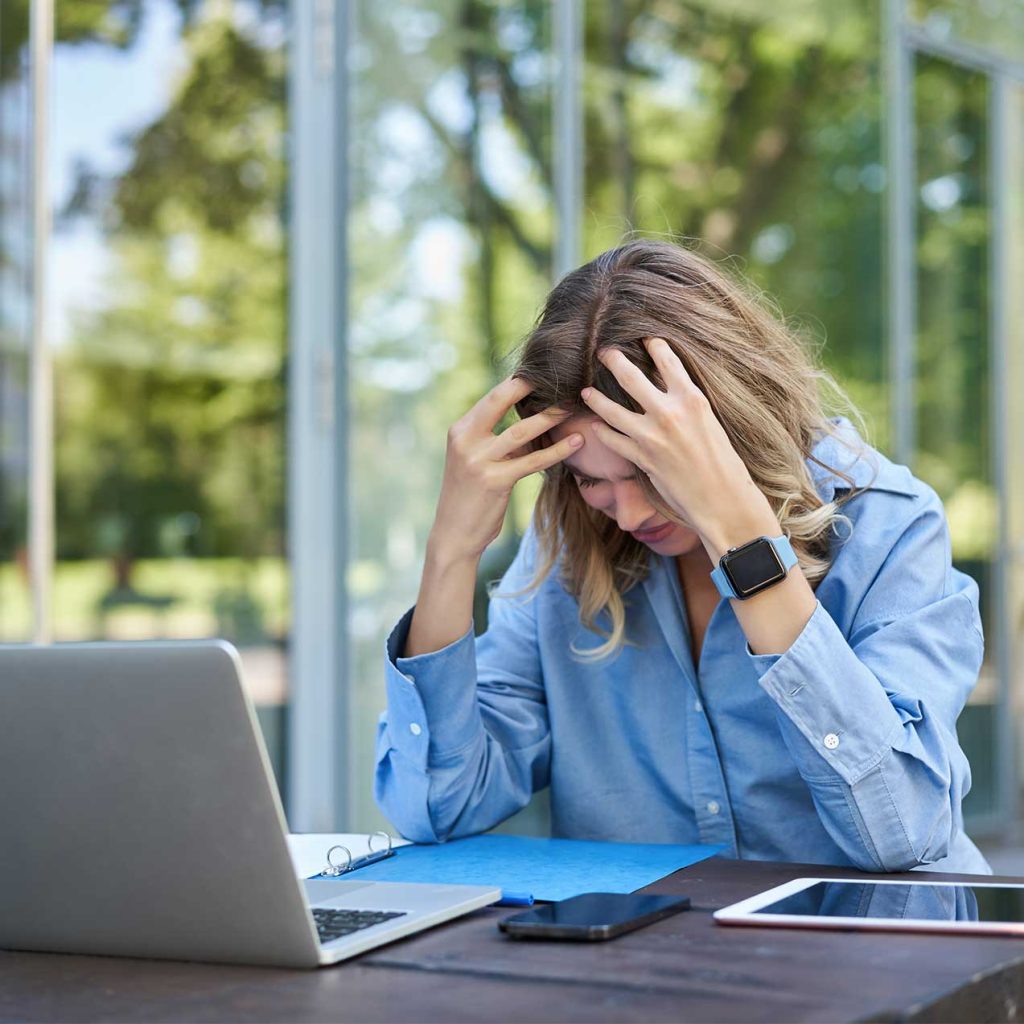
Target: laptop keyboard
[[334, 924]]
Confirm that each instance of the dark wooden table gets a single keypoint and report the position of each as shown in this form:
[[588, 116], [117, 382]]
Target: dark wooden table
[[684, 968]]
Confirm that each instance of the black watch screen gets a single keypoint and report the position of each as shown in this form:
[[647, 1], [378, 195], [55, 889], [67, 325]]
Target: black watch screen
[[753, 567]]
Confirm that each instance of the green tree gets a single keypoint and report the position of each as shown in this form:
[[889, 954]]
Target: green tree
[[171, 397]]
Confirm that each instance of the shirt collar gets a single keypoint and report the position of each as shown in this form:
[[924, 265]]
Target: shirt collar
[[848, 453]]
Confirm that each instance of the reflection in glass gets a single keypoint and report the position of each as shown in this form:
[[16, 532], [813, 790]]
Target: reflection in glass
[[919, 902], [757, 129], [995, 26], [16, 249], [952, 391], [450, 230], [169, 328]]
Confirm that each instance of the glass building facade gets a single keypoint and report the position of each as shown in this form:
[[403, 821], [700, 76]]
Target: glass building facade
[[291, 243]]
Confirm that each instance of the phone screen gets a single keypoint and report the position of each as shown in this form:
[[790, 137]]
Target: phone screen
[[594, 915]]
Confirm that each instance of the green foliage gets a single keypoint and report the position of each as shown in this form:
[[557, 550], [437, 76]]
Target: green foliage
[[171, 400], [112, 22], [953, 408], [757, 131], [754, 129], [106, 22]]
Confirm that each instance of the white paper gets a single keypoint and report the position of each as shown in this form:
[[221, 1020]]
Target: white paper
[[309, 849]]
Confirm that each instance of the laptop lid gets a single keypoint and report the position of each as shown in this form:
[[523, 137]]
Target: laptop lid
[[137, 808]]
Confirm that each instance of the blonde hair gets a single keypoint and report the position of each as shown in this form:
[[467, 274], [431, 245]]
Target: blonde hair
[[760, 379]]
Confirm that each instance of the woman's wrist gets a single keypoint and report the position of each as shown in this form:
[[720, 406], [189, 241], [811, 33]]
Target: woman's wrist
[[726, 534], [773, 619], [444, 606], [445, 552]]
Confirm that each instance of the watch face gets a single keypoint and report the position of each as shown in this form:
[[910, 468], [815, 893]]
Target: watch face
[[753, 567]]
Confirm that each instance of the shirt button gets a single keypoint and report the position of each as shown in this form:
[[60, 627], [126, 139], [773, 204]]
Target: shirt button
[[697, 706], [713, 807], [415, 729], [831, 741]]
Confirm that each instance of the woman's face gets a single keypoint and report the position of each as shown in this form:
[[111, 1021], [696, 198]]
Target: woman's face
[[609, 483]]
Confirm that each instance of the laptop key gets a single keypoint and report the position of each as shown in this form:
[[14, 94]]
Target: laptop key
[[334, 924]]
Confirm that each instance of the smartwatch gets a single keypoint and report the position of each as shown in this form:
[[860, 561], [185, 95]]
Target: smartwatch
[[750, 568]]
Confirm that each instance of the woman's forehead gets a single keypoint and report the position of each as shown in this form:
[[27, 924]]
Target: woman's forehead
[[594, 459]]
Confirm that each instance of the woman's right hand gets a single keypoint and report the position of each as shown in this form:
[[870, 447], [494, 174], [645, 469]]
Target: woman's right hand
[[482, 467]]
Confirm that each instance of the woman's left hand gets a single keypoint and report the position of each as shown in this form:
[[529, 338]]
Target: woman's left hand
[[679, 443]]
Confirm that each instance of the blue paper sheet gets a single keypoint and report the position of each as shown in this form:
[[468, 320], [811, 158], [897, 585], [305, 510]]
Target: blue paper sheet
[[548, 869]]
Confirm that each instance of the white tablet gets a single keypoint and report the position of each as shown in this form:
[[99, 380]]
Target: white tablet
[[887, 905]]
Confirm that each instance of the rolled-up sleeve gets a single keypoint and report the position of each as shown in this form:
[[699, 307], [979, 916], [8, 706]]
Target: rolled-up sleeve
[[465, 739], [870, 718]]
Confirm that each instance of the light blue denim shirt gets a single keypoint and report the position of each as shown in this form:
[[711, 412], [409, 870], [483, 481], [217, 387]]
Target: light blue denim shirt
[[843, 750]]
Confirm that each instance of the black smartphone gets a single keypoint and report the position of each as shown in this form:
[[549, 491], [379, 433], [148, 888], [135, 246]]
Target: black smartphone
[[593, 916]]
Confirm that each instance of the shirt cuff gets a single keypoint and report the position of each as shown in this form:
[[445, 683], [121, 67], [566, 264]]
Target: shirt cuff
[[432, 707], [832, 699]]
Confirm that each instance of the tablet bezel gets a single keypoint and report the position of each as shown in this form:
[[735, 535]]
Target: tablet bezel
[[744, 912]]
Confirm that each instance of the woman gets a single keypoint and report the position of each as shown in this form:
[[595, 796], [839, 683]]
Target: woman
[[794, 699]]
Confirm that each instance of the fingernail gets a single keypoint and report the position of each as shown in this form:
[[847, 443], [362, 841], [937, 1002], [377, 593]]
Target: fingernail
[[586, 392], [576, 440]]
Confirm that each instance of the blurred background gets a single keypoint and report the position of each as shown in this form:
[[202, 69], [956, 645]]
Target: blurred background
[[257, 255]]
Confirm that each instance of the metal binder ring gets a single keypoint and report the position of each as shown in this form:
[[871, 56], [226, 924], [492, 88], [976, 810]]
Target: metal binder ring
[[387, 839], [338, 869]]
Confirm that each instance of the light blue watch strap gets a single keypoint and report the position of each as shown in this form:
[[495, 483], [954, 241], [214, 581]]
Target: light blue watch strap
[[782, 548]]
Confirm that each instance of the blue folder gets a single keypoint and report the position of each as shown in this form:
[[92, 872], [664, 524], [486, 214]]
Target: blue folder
[[546, 869]]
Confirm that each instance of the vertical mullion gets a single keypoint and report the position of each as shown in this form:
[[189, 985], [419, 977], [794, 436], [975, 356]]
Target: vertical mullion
[[340, 760], [41, 484], [902, 269], [568, 134], [1000, 177], [313, 738]]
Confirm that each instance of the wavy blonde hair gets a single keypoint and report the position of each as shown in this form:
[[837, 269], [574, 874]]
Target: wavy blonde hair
[[759, 377]]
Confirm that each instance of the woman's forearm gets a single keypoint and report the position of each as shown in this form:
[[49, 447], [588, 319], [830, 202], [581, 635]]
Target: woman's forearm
[[444, 607], [480, 470]]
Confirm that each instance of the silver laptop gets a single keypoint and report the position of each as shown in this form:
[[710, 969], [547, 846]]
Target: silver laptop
[[139, 817]]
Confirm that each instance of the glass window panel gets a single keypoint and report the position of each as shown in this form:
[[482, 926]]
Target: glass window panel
[[16, 251], [169, 328], [1013, 389], [953, 400], [757, 129], [993, 25], [449, 259]]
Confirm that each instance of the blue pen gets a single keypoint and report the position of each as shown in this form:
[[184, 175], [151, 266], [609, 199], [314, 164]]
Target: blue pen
[[515, 899]]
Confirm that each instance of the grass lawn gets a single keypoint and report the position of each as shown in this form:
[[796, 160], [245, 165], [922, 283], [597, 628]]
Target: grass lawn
[[244, 601]]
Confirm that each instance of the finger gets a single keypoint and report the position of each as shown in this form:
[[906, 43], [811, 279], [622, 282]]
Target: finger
[[520, 434], [669, 365], [545, 458], [633, 380], [611, 412], [487, 413], [619, 443]]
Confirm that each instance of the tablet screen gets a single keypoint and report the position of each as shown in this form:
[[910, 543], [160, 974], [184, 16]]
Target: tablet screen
[[920, 901]]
